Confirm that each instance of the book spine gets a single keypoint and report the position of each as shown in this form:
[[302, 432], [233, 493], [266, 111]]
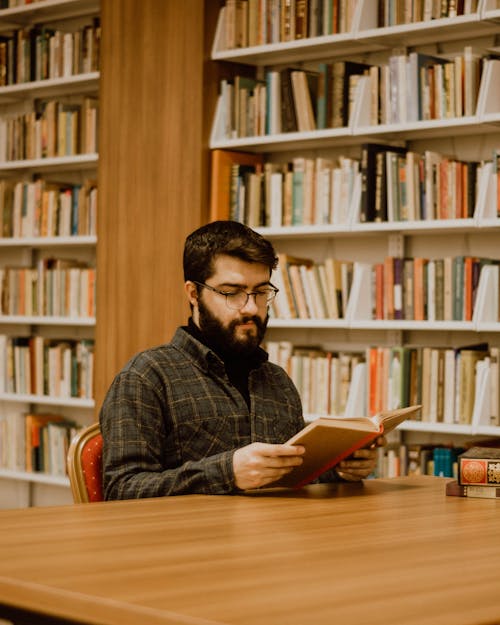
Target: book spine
[[455, 489]]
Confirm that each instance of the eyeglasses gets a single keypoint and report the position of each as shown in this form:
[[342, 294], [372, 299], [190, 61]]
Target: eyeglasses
[[236, 300]]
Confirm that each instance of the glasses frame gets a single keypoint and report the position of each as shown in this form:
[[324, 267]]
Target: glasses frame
[[271, 289]]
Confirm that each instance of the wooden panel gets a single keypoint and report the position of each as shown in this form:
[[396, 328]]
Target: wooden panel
[[150, 174]]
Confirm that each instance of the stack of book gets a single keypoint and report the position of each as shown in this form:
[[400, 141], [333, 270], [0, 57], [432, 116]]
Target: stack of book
[[478, 474]]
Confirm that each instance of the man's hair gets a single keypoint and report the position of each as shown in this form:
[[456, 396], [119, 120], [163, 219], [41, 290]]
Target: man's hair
[[231, 238]]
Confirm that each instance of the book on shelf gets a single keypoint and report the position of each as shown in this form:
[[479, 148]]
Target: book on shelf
[[479, 466], [374, 181], [454, 489], [340, 92], [305, 93], [221, 176], [328, 440], [288, 110]]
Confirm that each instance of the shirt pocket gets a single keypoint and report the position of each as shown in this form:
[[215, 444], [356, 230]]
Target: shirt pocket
[[200, 437]]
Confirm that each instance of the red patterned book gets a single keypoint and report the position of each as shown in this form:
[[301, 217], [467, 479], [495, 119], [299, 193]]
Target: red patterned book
[[480, 465]]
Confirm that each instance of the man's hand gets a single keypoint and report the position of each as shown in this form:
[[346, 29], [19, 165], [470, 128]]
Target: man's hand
[[361, 463], [259, 464]]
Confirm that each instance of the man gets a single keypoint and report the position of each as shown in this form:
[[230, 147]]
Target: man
[[207, 413]]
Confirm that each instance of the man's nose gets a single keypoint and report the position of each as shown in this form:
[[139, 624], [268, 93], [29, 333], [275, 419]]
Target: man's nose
[[251, 305]]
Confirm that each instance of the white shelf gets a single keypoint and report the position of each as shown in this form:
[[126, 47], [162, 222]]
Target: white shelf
[[38, 478], [298, 50], [45, 11], [428, 32], [436, 226], [308, 323], [74, 241], [356, 135], [55, 163], [74, 402], [79, 83], [47, 320], [408, 324], [449, 428], [439, 428], [288, 140], [312, 231], [364, 37]]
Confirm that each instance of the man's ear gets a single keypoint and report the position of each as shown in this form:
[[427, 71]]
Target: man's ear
[[191, 291]]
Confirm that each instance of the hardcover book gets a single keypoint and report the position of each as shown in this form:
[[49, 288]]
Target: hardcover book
[[479, 465], [220, 188], [454, 489], [328, 440]]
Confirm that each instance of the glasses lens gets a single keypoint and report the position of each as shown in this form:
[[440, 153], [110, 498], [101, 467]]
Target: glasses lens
[[264, 297], [239, 300], [236, 300]]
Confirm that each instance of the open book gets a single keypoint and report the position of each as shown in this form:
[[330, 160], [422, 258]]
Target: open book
[[328, 440]]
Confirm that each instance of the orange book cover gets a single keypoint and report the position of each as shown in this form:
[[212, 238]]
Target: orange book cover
[[418, 288], [468, 271], [389, 287], [220, 182], [328, 440]]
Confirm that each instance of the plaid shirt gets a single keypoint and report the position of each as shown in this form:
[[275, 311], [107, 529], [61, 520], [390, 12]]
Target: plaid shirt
[[171, 420]]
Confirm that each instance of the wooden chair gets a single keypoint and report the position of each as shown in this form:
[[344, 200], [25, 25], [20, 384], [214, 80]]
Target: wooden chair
[[84, 464]]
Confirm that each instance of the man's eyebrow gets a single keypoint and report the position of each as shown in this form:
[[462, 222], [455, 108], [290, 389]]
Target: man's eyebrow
[[234, 285]]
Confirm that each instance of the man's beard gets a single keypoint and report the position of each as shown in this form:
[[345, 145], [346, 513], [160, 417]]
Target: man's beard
[[223, 340]]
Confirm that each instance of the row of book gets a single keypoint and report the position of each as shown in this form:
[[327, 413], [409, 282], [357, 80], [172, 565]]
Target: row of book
[[53, 128], [303, 191], [54, 287], [394, 12], [402, 185], [35, 442], [323, 378], [41, 366], [396, 185], [47, 209], [422, 289], [402, 459], [310, 290], [40, 53], [251, 23], [416, 289], [453, 385], [475, 468], [408, 88], [248, 23]]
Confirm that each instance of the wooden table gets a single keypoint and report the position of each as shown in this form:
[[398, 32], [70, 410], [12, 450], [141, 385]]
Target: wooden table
[[380, 553]]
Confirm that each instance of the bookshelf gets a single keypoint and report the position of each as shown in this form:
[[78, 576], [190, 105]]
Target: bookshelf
[[53, 216], [472, 137]]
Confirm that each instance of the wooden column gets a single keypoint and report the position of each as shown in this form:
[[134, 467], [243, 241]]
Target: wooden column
[[152, 178]]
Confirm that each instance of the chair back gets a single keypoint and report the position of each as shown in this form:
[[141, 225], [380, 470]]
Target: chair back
[[84, 464]]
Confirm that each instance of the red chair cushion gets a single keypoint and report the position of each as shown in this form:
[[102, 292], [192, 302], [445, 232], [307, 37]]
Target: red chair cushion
[[91, 460]]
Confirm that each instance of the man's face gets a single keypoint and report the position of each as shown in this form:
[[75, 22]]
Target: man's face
[[232, 331]]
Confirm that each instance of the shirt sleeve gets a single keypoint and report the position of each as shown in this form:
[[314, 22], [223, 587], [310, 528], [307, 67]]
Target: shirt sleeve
[[137, 449]]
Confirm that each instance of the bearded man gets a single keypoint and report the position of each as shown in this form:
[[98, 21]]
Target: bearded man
[[207, 412]]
